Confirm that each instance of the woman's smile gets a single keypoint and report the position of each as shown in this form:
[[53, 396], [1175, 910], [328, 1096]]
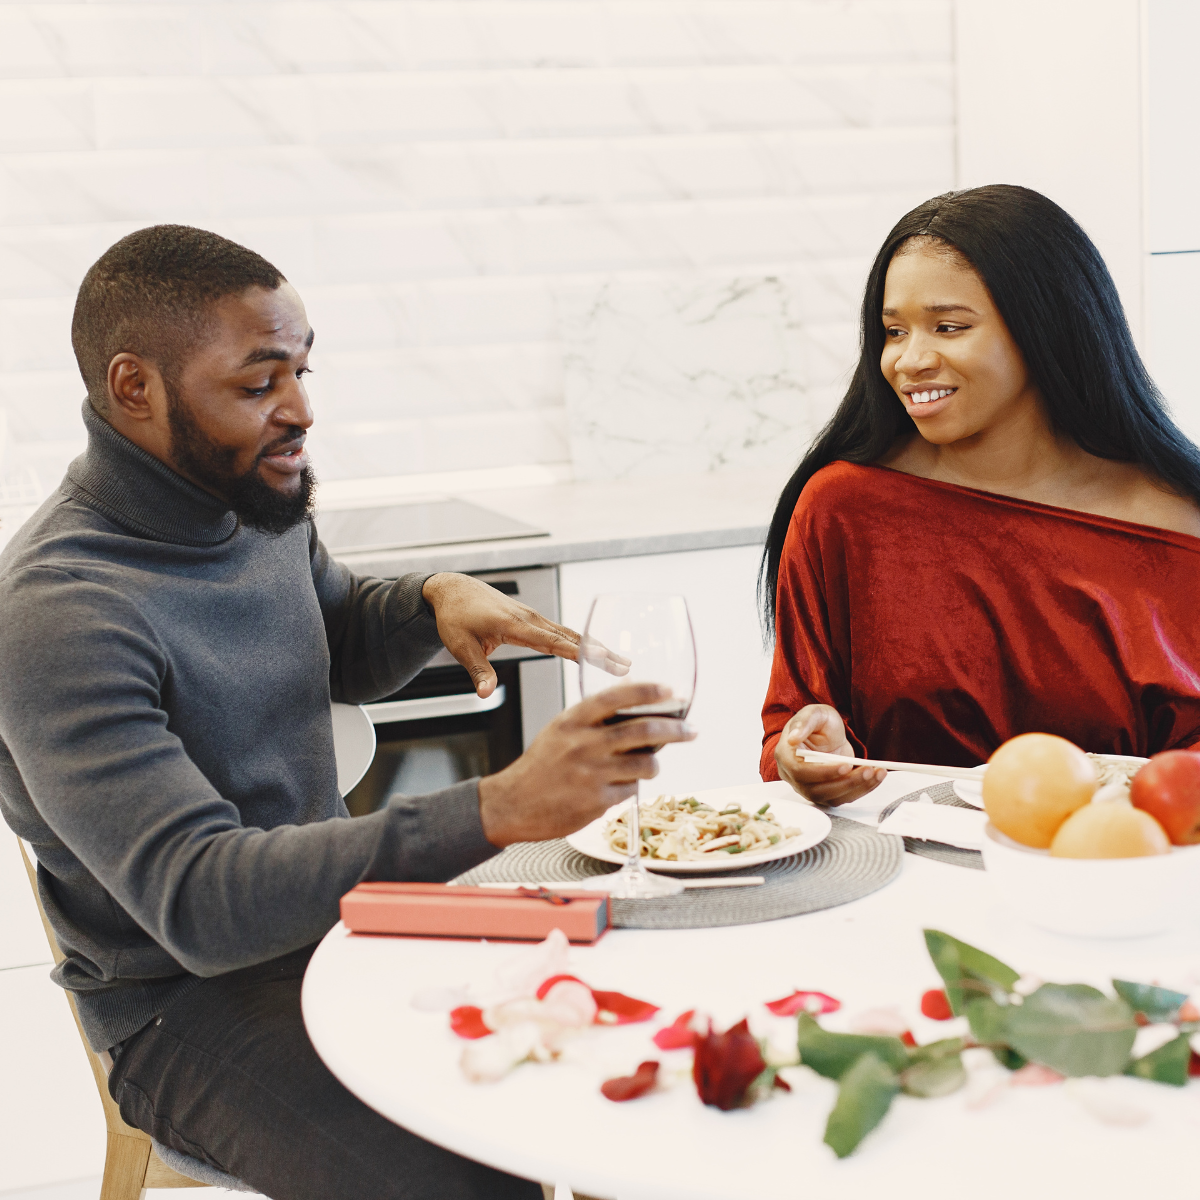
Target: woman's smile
[[924, 398]]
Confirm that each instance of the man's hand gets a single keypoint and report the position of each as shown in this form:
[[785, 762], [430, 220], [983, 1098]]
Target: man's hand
[[819, 727], [577, 767], [473, 619]]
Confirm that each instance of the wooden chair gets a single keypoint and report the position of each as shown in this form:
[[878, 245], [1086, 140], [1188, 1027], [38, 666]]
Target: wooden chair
[[132, 1162]]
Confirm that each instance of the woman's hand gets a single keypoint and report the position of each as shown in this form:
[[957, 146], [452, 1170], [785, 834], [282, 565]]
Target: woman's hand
[[819, 727], [473, 619]]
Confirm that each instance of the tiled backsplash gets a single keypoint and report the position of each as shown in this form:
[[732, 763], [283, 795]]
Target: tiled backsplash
[[443, 180]]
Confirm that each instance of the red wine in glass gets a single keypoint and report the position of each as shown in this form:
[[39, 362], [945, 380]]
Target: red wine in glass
[[639, 637]]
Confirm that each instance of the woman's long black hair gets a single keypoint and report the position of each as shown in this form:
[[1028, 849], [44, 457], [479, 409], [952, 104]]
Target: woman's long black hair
[[1058, 300]]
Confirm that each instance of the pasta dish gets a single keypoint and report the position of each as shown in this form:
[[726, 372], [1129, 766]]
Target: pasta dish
[[685, 830]]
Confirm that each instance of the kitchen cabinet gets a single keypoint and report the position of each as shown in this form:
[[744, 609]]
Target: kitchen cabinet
[[733, 666]]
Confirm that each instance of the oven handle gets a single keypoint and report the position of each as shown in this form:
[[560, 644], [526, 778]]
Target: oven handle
[[433, 706]]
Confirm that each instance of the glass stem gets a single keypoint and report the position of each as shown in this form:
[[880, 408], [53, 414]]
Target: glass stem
[[634, 821]]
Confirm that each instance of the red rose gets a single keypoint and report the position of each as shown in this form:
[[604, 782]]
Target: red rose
[[725, 1066]]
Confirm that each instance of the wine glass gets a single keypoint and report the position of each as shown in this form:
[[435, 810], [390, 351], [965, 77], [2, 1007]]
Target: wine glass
[[639, 637]]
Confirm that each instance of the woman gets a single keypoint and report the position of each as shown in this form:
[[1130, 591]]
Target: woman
[[999, 529]]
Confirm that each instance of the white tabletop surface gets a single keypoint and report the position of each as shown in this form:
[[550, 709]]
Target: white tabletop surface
[[549, 1122]]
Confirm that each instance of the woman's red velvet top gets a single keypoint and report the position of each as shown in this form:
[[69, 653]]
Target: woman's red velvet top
[[941, 621]]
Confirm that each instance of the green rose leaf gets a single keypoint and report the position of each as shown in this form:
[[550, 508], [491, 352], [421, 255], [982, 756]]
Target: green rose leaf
[[934, 1076], [864, 1096], [989, 1026], [966, 971], [832, 1054], [932, 1050], [1073, 1029], [1157, 1003], [1167, 1064]]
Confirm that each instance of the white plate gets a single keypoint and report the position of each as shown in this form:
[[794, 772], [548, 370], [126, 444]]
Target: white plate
[[972, 792], [353, 743], [785, 804]]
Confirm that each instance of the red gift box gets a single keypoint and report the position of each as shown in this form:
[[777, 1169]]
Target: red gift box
[[447, 910]]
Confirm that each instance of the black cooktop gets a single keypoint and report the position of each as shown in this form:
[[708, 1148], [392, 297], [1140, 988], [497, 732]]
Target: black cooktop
[[422, 523]]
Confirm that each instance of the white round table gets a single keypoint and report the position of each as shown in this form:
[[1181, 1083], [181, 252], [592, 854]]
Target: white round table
[[550, 1123]]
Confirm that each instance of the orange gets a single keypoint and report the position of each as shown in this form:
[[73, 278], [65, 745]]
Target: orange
[[1112, 830], [1033, 783]]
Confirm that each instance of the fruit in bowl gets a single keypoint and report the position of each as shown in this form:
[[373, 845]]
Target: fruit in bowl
[[1089, 860], [1044, 792], [1033, 783], [1168, 788], [1109, 828]]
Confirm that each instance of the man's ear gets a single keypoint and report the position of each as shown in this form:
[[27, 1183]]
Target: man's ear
[[135, 387]]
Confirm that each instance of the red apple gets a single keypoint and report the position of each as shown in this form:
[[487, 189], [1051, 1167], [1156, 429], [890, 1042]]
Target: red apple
[[1168, 788]]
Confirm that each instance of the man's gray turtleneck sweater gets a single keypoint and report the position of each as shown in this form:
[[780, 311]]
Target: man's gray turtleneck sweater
[[165, 739]]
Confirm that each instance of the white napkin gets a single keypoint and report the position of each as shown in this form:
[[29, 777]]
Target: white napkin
[[962, 827]]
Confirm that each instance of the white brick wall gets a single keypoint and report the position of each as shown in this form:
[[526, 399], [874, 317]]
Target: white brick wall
[[432, 174]]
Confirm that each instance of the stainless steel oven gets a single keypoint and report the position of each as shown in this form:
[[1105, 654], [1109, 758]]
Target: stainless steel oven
[[436, 731]]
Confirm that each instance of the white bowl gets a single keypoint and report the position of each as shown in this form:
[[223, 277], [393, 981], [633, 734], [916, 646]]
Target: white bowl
[[1093, 897]]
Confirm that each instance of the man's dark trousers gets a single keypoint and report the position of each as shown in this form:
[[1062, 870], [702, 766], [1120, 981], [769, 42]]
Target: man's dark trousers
[[227, 1074]]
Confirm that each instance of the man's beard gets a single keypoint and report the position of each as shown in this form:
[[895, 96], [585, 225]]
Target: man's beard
[[210, 464]]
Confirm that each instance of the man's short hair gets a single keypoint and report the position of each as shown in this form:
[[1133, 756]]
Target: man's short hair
[[149, 294]]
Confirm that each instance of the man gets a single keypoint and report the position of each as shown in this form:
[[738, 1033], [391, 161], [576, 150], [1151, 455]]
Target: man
[[173, 632]]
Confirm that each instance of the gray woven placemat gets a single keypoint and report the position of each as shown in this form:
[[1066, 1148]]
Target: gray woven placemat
[[852, 861], [942, 793]]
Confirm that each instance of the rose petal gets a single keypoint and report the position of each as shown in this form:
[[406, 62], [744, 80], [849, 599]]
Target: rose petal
[[936, 1006], [881, 1022], [571, 1003], [520, 974], [614, 1007], [781, 1083], [1034, 1075], [679, 1035], [467, 1022], [621, 1009], [1188, 1012], [630, 1087], [490, 1059], [1194, 1064], [513, 1012], [813, 1003], [907, 1038], [547, 984]]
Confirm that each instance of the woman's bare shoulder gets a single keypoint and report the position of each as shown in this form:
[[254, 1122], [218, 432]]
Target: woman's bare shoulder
[[1139, 497]]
